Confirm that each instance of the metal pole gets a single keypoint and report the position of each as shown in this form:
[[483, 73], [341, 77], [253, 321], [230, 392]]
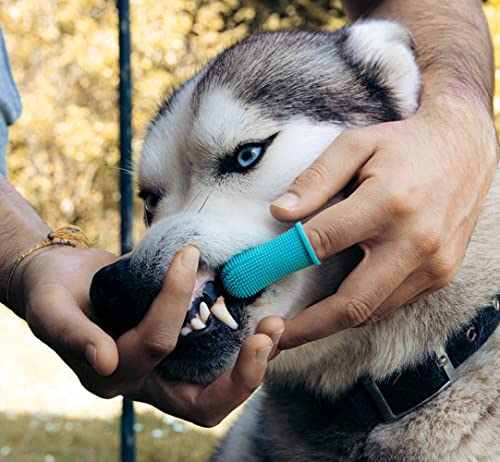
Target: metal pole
[[127, 446], [126, 191]]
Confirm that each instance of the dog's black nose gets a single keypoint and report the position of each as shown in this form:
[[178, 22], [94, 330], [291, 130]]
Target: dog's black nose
[[107, 283], [104, 286], [116, 299]]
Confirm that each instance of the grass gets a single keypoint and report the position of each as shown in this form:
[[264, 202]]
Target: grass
[[42, 438]]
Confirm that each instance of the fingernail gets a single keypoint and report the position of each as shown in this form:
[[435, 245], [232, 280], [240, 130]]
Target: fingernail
[[275, 337], [287, 201], [263, 354], [91, 355], [190, 257]]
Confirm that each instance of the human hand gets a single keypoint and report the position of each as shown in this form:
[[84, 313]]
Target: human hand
[[420, 184], [51, 292], [57, 307]]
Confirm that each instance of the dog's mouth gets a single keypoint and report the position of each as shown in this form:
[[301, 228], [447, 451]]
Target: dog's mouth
[[214, 328], [211, 306]]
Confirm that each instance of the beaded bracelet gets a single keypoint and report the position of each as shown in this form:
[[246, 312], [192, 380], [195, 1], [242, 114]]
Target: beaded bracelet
[[69, 235]]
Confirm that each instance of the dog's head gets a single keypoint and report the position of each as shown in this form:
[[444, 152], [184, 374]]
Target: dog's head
[[226, 144]]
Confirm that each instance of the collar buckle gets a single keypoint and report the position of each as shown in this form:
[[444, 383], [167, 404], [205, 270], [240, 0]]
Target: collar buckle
[[384, 408]]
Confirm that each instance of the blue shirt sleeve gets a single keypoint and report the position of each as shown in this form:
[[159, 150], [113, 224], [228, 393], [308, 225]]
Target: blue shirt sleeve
[[10, 102]]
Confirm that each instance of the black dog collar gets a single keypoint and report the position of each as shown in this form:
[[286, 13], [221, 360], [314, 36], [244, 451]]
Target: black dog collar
[[368, 402]]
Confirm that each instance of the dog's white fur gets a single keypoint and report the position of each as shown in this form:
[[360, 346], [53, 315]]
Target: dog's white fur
[[462, 424]]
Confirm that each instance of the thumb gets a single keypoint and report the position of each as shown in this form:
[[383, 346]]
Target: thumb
[[61, 324], [327, 175]]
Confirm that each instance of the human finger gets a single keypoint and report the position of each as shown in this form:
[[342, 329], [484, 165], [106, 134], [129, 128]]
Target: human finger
[[273, 327], [327, 175], [382, 270], [60, 323], [145, 346], [356, 219], [207, 406], [408, 291]]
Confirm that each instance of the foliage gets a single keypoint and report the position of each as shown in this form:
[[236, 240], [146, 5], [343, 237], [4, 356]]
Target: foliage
[[63, 156]]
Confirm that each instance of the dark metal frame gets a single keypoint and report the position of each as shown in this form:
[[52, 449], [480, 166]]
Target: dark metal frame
[[126, 193]]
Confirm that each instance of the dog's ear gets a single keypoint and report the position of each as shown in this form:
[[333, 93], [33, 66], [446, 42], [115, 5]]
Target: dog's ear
[[385, 51]]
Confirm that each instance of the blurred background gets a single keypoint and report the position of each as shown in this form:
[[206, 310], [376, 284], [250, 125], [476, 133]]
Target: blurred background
[[63, 158]]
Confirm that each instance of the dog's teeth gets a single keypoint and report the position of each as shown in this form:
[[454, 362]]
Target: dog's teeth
[[186, 331], [197, 324], [204, 312], [220, 311]]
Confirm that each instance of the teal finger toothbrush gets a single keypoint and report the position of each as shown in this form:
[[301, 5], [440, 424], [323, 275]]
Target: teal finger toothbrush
[[252, 270]]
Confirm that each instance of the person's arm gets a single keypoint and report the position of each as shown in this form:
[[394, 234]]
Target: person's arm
[[453, 46], [51, 292], [421, 181], [20, 229]]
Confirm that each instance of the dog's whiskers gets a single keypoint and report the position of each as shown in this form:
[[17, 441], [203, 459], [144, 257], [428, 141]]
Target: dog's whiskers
[[192, 201], [126, 170], [204, 202]]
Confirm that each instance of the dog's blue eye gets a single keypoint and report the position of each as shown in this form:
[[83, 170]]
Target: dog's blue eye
[[244, 158], [248, 155]]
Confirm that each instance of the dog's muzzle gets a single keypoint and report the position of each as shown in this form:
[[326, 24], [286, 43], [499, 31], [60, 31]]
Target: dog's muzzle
[[121, 298]]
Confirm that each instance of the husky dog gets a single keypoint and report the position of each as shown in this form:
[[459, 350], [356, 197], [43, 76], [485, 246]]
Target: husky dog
[[222, 147]]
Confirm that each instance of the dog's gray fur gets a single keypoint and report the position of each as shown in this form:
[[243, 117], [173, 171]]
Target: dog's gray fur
[[310, 87]]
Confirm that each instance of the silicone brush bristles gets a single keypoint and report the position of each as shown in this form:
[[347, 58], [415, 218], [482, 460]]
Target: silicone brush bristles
[[251, 271]]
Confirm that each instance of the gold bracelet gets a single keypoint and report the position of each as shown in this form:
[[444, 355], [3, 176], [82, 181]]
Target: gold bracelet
[[69, 235]]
